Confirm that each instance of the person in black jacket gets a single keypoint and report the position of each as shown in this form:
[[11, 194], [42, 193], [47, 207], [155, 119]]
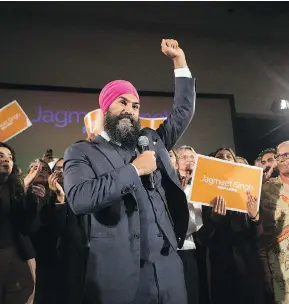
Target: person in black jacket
[[231, 239], [16, 277], [45, 198]]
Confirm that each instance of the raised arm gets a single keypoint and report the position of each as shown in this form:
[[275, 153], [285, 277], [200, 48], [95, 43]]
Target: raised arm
[[185, 95]]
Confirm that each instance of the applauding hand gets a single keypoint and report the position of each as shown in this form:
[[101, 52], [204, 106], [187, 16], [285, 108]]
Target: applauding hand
[[252, 207], [219, 208]]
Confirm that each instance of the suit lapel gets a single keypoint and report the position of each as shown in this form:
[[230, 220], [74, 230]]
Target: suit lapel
[[163, 158], [165, 165], [114, 158], [104, 147]]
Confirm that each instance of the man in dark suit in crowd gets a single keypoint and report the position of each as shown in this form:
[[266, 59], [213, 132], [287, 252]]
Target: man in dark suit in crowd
[[135, 228]]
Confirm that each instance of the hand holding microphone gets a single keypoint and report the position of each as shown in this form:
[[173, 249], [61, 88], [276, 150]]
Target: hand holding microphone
[[145, 163]]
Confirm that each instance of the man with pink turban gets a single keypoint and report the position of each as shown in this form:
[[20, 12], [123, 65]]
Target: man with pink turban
[[123, 185]]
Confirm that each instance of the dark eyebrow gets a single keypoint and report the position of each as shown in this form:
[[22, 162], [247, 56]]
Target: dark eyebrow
[[9, 154], [127, 100]]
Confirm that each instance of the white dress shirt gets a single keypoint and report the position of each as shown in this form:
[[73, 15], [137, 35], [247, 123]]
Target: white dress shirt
[[195, 221]]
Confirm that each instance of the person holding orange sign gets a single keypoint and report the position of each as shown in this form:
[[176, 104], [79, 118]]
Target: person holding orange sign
[[231, 239]]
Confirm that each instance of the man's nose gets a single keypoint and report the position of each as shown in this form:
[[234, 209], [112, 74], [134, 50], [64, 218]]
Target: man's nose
[[129, 109]]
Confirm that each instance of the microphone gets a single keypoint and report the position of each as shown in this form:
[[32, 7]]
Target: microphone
[[143, 143]]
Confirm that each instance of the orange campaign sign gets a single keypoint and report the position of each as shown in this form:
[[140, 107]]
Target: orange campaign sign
[[13, 121], [94, 122], [214, 177], [152, 123]]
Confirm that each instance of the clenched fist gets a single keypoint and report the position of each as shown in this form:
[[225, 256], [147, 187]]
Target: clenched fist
[[145, 163], [170, 48]]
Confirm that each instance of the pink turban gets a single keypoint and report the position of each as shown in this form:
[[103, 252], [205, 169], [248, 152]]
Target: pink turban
[[113, 90]]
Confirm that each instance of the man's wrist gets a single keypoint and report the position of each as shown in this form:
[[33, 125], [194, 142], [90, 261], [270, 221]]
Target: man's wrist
[[60, 198], [136, 169], [179, 62]]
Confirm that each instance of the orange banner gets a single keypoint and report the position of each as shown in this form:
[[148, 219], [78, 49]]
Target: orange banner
[[214, 177], [94, 122], [152, 123], [13, 121]]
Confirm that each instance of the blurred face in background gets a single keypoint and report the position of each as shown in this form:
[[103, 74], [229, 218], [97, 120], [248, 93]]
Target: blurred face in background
[[173, 159], [258, 163], [268, 161], [242, 160], [58, 169], [282, 158], [186, 159], [225, 155], [6, 162], [44, 173]]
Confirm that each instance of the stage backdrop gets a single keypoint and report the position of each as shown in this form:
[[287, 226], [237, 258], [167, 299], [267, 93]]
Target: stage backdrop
[[57, 119]]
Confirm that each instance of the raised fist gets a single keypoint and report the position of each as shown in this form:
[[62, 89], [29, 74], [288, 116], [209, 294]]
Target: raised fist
[[170, 48]]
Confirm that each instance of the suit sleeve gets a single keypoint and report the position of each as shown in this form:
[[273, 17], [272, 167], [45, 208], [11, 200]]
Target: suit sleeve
[[87, 193], [183, 111]]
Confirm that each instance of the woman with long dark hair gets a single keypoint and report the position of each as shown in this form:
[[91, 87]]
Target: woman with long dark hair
[[16, 251], [231, 238]]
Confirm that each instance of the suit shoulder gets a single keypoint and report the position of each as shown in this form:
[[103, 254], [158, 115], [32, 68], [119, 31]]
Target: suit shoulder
[[77, 147], [80, 144], [149, 132]]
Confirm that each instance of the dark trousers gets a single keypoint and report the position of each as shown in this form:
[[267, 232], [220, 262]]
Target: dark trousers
[[46, 283], [189, 258], [16, 283], [162, 282]]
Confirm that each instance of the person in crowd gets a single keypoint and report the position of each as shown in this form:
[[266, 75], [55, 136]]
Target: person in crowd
[[48, 156], [257, 162], [188, 253], [72, 251], [242, 160], [17, 263], [173, 157], [44, 195], [275, 240], [234, 268], [269, 164], [186, 160], [138, 210]]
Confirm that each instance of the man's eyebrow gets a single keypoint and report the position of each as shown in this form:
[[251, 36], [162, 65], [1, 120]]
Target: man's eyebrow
[[127, 100]]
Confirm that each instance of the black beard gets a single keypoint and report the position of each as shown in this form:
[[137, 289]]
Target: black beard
[[126, 136]]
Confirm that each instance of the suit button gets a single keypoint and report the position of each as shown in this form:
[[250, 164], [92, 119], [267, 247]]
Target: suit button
[[155, 209], [136, 236], [159, 234]]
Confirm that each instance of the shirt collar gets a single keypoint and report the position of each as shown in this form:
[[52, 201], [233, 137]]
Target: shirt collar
[[104, 135]]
